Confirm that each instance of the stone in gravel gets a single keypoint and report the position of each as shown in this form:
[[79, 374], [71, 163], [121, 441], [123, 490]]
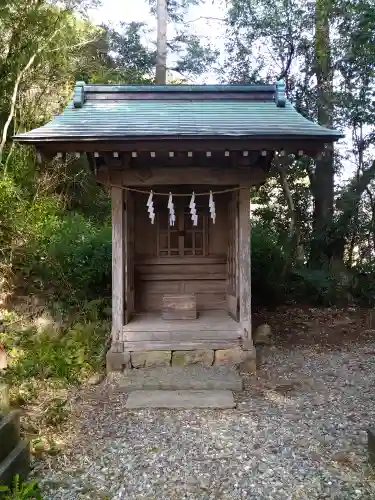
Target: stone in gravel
[[96, 379], [178, 377], [232, 357], [150, 359], [343, 458], [303, 442], [249, 365], [200, 357], [180, 399]]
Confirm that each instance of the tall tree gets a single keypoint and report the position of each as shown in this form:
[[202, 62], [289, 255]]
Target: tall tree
[[322, 184], [330, 79], [192, 57], [161, 41]]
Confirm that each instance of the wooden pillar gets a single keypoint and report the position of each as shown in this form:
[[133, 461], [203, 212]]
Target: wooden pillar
[[129, 255], [245, 265], [118, 263]]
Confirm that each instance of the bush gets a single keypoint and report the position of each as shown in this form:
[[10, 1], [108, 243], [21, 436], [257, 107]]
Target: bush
[[363, 285], [21, 490], [267, 265], [71, 256], [70, 357], [275, 280], [316, 286]]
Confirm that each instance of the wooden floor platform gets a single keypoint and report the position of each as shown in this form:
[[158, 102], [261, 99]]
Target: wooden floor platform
[[211, 330]]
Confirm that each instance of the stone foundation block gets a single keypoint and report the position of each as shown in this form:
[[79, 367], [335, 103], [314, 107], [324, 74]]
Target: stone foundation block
[[117, 361], [204, 357], [150, 359], [232, 357]]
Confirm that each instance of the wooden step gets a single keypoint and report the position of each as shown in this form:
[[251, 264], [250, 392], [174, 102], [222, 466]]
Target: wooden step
[[9, 433]]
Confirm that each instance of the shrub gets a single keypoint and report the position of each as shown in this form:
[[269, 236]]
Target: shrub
[[70, 357], [316, 286], [363, 285], [71, 256], [20, 490], [267, 265]]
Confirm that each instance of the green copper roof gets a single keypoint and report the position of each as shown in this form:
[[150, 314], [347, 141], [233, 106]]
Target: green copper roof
[[121, 112]]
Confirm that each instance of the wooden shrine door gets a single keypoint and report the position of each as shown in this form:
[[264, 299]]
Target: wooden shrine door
[[183, 239], [232, 292], [182, 259]]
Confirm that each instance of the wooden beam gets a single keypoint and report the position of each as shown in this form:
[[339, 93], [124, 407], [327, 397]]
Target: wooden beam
[[180, 345], [166, 176], [158, 144], [118, 263], [245, 263]]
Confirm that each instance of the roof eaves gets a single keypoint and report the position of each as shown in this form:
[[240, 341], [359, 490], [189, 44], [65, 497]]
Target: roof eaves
[[102, 138]]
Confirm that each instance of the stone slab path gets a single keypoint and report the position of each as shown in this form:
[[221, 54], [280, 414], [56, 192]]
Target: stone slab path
[[186, 400], [194, 377]]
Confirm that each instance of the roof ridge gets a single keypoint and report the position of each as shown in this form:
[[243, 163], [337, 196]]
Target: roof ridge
[[81, 89]]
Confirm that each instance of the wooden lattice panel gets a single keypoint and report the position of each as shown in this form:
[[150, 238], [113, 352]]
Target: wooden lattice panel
[[179, 306]]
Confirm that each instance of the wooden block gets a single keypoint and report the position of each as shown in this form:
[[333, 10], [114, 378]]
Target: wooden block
[[179, 306], [9, 433]]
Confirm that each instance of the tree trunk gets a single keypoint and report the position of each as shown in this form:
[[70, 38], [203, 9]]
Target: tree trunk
[[294, 228], [13, 101], [161, 43], [323, 185]]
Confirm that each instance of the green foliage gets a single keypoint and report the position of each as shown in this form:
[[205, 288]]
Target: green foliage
[[71, 256], [20, 491], [266, 39], [316, 286], [69, 357], [275, 280], [57, 412], [267, 265], [363, 285]]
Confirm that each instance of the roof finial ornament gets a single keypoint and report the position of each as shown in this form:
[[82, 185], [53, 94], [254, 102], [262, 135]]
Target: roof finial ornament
[[79, 94], [280, 95]]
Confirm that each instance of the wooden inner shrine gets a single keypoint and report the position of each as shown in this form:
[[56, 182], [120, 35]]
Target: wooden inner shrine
[[209, 260]]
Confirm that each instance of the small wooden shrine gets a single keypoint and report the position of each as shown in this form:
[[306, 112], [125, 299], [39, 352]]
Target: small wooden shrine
[[179, 161]]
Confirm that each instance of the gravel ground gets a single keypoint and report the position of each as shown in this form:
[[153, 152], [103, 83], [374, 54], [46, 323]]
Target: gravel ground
[[298, 432]]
